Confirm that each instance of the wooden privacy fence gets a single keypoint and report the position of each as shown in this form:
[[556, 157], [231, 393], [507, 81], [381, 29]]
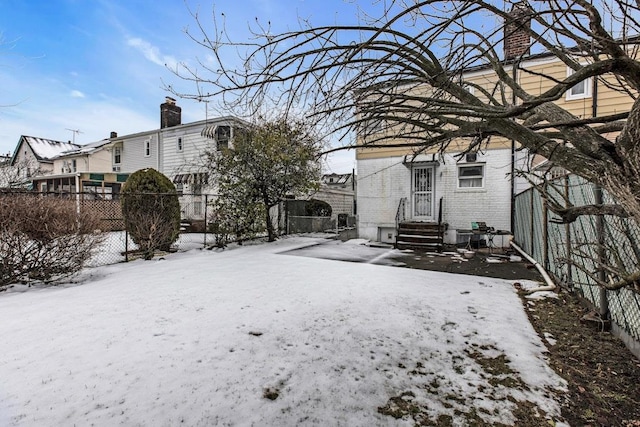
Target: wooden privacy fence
[[573, 253]]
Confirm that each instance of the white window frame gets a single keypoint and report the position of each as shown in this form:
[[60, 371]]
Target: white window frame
[[222, 144], [583, 95], [117, 156], [179, 144], [473, 177], [147, 147], [467, 86], [74, 165]]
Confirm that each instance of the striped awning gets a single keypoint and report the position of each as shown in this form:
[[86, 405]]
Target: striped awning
[[191, 178]]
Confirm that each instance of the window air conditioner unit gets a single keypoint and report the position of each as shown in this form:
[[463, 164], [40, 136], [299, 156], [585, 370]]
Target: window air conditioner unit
[[116, 168], [66, 170]]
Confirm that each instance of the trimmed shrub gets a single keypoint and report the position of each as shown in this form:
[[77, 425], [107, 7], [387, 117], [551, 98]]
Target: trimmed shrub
[[44, 238], [151, 211]]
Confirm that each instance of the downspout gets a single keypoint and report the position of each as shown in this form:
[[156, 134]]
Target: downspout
[[77, 178], [550, 283], [514, 75]]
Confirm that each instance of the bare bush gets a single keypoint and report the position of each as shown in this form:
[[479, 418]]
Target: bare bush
[[43, 238]]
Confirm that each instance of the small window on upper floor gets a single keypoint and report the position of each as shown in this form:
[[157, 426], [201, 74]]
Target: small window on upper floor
[[117, 155], [471, 176], [222, 136], [147, 147], [179, 144], [580, 90], [74, 165]]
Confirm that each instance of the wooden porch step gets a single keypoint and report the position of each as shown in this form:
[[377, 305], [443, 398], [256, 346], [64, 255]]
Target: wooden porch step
[[430, 246], [423, 236]]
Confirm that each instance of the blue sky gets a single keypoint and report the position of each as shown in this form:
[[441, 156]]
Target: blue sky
[[98, 66]]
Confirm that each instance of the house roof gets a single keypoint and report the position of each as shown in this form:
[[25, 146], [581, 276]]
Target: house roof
[[337, 178], [44, 149], [84, 149]]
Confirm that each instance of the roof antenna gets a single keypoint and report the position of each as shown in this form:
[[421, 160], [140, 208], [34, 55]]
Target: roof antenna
[[75, 132]]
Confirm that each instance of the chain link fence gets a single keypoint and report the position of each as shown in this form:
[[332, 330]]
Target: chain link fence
[[117, 246], [583, 253]]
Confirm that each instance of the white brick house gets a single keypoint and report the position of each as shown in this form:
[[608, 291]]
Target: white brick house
[[431, 187]]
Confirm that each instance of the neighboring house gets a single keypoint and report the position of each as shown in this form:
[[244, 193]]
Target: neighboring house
[[99, 169], [345, 181], [185, 148], [86, 169], [396, 185], [176, 150], [339, 191], [34, 156]]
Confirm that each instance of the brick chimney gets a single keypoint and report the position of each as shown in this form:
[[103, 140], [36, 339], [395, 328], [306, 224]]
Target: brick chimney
[[517, 40], [170, 113], [113, 134]]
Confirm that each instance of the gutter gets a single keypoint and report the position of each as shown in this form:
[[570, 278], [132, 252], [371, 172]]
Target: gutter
[[550, 284]]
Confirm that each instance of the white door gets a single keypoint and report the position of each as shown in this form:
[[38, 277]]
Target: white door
[[422, 193]]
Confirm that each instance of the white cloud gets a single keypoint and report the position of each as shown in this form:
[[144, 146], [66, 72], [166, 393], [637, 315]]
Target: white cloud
[[151, 52], [77, 94]]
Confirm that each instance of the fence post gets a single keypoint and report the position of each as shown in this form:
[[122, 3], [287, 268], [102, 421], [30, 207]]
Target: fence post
[[545, 232], [567, 232], [206, 206], [126, 243], [533, 190], [604, 303]]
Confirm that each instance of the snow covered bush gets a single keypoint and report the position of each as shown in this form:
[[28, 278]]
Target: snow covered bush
[[44, 238], [151, 211]]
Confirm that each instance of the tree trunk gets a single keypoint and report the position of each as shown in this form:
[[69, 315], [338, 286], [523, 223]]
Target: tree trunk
[[271, 233]]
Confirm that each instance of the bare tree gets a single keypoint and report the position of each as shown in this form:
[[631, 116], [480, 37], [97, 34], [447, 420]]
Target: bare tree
[[403, 71]]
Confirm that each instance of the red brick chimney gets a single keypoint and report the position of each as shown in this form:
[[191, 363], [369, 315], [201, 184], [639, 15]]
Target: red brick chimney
[[517, 40], [170, 113]]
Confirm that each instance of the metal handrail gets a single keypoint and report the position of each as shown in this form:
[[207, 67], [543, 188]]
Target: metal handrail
[[401, 212]]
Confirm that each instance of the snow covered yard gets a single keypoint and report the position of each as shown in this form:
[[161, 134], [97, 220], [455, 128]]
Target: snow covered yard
[[250, 336]]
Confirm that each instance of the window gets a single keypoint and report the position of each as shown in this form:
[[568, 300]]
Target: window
[[580, 90], [117, 155], [74, 165], [222, 135], [197, 208], [471, 176], [147, 147], [180, 188], [196, 188], [179, 144]]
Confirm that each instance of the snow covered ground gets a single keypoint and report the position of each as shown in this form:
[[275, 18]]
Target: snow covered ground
[[250, 336]]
